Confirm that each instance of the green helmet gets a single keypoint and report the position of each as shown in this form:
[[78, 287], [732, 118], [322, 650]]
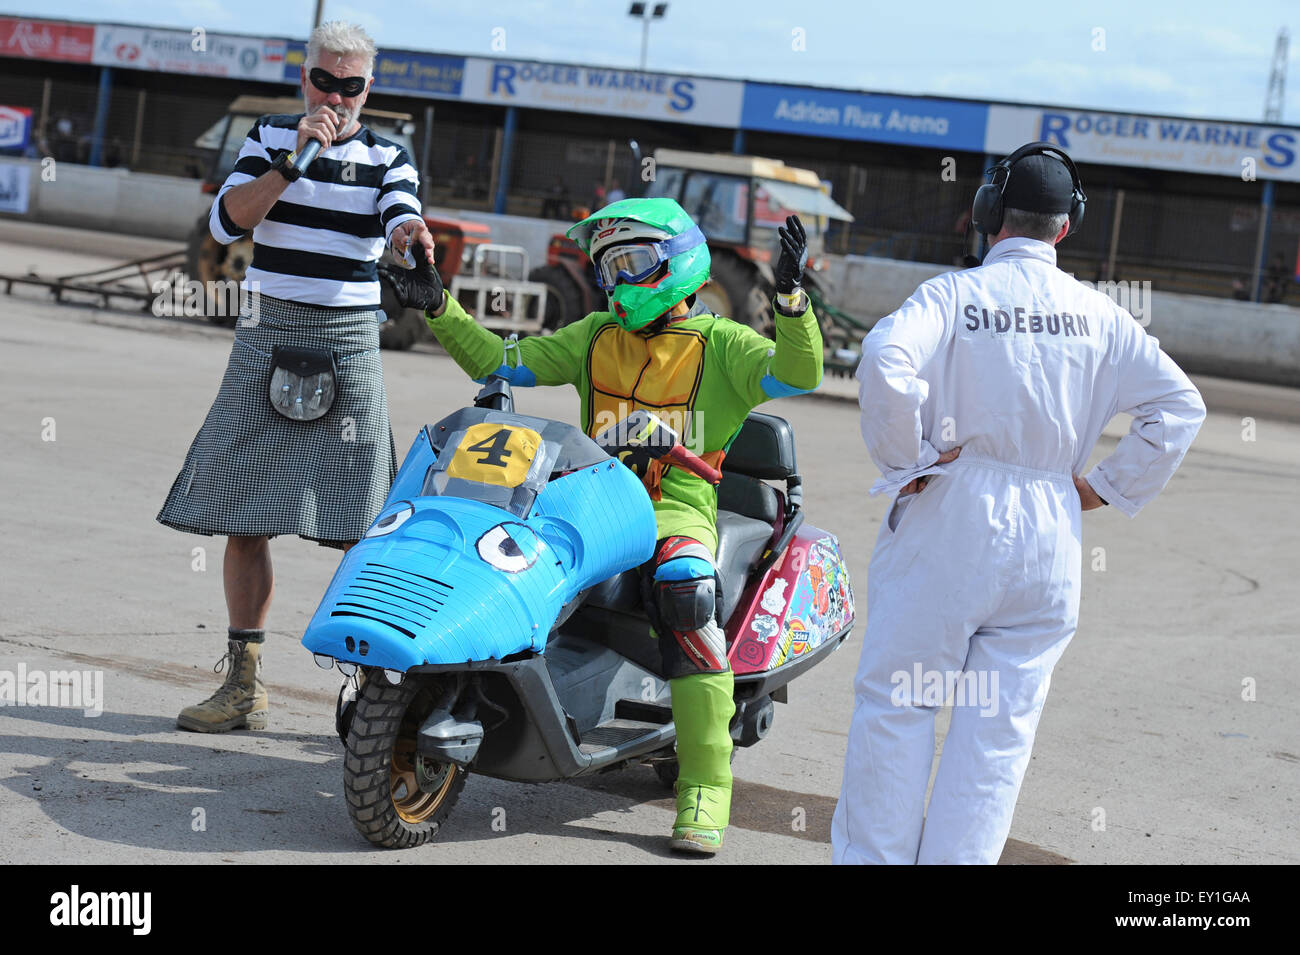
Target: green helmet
[[643, 234]]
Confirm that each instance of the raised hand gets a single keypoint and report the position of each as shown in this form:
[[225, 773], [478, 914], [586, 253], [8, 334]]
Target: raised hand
[[794, 255]]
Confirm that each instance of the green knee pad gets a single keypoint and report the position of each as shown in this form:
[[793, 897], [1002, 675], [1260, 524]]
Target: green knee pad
[[702, 709]]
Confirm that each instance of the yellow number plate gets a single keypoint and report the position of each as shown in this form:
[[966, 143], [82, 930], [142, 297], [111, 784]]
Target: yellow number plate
[[495, 454]]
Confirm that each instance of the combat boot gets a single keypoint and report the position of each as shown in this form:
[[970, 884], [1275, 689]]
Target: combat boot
[[240, 701]]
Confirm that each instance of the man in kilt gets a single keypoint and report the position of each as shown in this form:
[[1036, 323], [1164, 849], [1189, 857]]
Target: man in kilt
[[298, 440]]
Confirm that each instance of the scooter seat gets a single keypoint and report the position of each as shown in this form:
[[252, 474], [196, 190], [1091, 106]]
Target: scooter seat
[[741, 541], [748, 497]]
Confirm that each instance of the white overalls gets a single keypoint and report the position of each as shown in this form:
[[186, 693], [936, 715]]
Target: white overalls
[[974, 584]]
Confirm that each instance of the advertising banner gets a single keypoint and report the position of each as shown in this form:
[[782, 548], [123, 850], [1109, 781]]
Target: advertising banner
[[419, 74], [295, 54], [1120, 139], [13, 187], [590, 89], [197, 52], [43, 40], [402, 72], [906, 120], [15, 128]]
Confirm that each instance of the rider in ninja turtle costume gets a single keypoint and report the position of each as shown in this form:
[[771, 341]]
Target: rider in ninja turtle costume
[[659, 349]]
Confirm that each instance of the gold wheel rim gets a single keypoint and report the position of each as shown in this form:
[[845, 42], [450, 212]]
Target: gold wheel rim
[[413, 805]]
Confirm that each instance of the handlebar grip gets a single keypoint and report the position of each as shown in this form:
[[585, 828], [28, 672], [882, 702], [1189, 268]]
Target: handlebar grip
[[688, 460]]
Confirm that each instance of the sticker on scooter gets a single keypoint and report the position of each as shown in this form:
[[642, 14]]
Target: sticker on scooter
[[766, 627], [774, 597]]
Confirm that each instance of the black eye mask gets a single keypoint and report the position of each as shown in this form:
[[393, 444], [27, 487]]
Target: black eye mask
[[327, 82]]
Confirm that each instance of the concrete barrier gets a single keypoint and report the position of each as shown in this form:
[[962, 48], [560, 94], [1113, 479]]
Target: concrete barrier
[[870, 288], [1209, 336], [1230, 339], [112, 200]]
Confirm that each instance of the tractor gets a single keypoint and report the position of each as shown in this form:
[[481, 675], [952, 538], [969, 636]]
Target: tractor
[[738, 202]]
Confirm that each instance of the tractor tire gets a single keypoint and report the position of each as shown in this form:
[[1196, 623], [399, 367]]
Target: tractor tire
[[563, 297], [735, 291], [397, 799], [207, 260]]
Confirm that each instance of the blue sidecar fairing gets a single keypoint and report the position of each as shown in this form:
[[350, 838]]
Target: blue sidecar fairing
[[443, 579]]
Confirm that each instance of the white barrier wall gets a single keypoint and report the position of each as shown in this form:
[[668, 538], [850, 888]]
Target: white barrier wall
[[111, 200], [1210, 336]]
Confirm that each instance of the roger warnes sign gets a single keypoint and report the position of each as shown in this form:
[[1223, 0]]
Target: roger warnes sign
[[1162, 142], [593, 89]]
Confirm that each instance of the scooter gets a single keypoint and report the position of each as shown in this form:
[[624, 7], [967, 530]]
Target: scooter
[[491, 619]]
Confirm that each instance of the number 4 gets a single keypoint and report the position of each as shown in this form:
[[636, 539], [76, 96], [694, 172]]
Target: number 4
[[493, 449]]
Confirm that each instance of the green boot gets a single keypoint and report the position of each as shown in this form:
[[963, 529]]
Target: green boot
[[702, 711], [240, 701]]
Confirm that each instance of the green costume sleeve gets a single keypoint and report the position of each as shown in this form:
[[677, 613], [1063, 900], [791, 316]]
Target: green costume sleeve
[[473, 347], [540, 360], [557, 359], [761, 368]]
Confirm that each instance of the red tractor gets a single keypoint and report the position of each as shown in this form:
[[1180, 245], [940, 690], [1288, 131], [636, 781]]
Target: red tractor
[[738, 202]]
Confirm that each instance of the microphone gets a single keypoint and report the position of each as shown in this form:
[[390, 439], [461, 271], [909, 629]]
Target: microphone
[[309, 152]]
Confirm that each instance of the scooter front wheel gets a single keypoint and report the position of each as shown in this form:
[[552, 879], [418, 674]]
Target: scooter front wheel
[[396, 797]]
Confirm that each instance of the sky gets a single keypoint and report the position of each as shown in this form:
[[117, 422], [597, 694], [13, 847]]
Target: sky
[[1179, 57]]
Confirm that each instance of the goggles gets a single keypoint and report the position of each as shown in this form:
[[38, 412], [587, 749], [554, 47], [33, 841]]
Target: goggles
[[327, 82], [636, 263]]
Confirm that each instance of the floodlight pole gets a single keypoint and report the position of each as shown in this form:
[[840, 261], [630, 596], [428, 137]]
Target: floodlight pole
[[645, 12]]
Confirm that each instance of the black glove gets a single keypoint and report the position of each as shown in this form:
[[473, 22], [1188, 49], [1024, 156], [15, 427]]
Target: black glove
[[420, 287], [794, 255]]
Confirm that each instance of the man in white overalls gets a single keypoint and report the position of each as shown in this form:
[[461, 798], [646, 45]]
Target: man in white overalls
[[982, 398]]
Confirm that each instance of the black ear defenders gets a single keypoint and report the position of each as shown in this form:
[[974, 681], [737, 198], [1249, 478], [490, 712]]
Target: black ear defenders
[[987, 210]]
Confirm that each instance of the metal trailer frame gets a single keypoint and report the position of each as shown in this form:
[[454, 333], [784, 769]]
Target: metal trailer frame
[[502, 279], [112, 282]]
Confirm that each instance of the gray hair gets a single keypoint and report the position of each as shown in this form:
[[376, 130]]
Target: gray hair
[[344, 39], [1043, 226]]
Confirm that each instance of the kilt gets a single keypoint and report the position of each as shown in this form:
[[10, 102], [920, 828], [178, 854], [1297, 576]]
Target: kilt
[[252, 471]]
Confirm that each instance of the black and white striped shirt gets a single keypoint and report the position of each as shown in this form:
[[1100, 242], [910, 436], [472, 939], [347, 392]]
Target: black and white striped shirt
[[321, 241]]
